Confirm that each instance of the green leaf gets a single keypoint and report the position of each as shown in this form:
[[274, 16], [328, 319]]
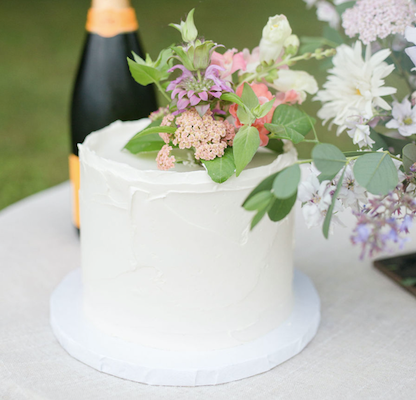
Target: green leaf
[[183, 56], [153, 129], [143, 74], [342, 7], [286, 183], [289, 123], [330, 212], [328, 159], [409, 282], [248, 97], [221, 168], [280, 132], [275, 145], [144, 144], [265, 184], [232, 98], [333, 35], [262, 110], [244, 116], [246, 143], [258, 217], [377, 173], [259, 201], [281, 208], [409, 156]]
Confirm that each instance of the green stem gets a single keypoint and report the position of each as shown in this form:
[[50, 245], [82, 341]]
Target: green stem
[[163, 92]]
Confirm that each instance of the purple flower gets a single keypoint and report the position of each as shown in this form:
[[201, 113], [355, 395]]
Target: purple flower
[[192, 88]]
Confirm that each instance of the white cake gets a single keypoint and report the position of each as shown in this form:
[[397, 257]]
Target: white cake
[[168, 259]]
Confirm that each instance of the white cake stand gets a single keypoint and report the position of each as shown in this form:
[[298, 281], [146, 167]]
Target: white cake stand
[[173, 368]]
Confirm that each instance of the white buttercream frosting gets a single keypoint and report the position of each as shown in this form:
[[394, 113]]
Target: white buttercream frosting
[[168, 258]]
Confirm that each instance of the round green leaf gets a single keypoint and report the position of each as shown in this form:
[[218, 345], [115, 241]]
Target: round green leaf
[[377, 173], [286, 182], [328, 159], [259, 201]]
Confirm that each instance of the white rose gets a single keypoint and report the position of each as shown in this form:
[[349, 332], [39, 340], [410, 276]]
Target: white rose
[[275, 33], [300, 81]]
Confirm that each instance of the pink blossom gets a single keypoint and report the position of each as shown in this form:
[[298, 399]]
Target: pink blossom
[[289, 97], [230, 61], [164, 160], [207, 136], [372, 19], [252, 60]]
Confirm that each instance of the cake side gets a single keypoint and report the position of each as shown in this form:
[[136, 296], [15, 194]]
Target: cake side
[[168, 258]]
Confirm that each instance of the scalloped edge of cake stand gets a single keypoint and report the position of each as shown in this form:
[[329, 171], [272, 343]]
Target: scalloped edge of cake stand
[[174, 368]]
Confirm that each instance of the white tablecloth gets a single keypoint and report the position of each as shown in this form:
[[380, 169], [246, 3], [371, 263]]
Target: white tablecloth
[[365, 347]]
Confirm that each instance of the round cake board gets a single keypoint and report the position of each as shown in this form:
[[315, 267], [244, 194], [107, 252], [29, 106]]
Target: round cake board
[[177, 368]]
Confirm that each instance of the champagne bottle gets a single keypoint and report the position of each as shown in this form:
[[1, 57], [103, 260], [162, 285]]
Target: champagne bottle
[[104, 90]]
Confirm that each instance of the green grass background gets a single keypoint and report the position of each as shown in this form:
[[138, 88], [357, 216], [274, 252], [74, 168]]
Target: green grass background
[[40, 46]]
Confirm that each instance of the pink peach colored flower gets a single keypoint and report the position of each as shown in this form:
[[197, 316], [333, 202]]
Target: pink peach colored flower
[[230, 61]]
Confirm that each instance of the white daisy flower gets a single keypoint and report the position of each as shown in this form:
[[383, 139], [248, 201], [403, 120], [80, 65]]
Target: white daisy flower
[[355, 86]]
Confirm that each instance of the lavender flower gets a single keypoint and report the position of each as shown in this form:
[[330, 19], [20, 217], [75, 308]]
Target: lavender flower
[[192, 88], [383, 220]]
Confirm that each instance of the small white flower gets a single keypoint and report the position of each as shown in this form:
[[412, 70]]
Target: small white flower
[[316, 198], [351, 193], [404, 118], [310, 3], [274, 36], [326, 12], [292, 40], [300, 81], [359, 132], [355, 85], [410, 35]]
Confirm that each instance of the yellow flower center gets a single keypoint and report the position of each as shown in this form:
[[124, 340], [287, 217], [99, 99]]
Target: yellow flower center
[[408, 121], [357, 92]]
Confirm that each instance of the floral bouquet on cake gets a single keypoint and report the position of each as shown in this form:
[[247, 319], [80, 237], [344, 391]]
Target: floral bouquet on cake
[[225, 104]]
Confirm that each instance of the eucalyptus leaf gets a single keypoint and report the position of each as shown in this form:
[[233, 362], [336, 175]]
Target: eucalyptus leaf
[[286, 182], [330, 212], [144, 144], [246, 143], [333, 35], [328, 159], [248, 97], [265, 184], [281, 208], [276, 145], [259, 201], [409, 156], [221, 168], [377, 173], [259, 216]]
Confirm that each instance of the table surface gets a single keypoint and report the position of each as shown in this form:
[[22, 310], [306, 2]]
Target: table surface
[[365, 347]]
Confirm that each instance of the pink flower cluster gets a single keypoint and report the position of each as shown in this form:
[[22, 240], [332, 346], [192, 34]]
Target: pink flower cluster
[[164, 160], [209, 137], [372, 19]]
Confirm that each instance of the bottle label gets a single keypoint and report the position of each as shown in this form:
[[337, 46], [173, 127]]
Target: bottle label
[[111, 22], [74, 175]]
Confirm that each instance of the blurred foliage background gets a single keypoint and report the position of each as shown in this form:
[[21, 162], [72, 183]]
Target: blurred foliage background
[[40, 46]]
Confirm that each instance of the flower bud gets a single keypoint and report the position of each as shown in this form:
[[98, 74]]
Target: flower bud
[[274, 36], [187, 29]]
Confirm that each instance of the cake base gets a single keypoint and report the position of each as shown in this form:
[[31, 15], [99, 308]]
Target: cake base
[[174, 368]]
